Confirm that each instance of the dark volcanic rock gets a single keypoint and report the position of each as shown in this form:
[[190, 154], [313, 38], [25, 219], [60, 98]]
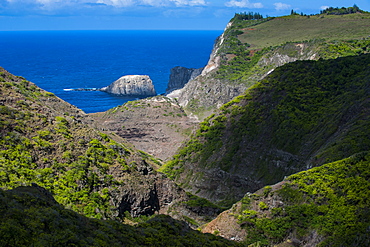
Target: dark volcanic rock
[[180, 76], [139, 203]]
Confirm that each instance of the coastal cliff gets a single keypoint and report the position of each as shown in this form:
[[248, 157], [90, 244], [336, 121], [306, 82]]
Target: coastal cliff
[[242, 57], [180, 76], [131, 85], [205, 93]]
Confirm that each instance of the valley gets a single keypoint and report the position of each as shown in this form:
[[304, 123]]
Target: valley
[[267, 146]]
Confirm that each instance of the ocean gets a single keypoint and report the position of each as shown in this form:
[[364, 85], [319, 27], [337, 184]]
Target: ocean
[[58, 60]]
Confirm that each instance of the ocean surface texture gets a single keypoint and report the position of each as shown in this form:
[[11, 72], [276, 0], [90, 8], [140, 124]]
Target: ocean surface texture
[[58, 60]]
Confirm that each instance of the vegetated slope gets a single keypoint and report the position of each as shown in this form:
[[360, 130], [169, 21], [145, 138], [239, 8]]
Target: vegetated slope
[[296, 28], [47, 141], [324, 206], [250, 49], [303, 114], [156, 125], [31, 217]]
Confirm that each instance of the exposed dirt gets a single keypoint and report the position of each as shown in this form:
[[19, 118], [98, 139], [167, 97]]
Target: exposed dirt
[[157, 125], [225, 225]]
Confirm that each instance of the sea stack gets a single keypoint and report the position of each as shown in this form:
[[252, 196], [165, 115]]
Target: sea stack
[[131, 85]]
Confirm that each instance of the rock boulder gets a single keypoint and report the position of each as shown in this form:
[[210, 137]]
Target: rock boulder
[[131, 85]]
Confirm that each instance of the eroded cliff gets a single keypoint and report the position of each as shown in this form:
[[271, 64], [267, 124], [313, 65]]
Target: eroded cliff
[[180, 76], [241, 56]]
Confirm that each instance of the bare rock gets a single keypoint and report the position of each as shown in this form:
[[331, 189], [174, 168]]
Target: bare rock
[[131, 85], [180, 76], [156, 125]]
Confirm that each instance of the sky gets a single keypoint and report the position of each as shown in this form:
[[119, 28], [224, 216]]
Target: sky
[[147, 14]]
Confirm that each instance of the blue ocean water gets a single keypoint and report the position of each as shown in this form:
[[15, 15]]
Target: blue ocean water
[[56, 60]]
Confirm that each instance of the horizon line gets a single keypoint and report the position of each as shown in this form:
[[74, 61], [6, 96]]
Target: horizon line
[[39, 30]]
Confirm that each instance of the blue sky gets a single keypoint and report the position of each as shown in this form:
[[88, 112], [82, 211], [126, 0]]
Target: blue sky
[[146, 14]]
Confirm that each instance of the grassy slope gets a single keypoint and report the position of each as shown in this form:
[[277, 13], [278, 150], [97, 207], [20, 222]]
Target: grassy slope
[[300, 28], [304, 114], [318, 36]]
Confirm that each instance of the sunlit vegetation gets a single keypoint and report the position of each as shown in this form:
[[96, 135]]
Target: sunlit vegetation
[[61, 154], [331, 200], [342, 11], [297, 28], [296, 109], [335, 49], [249, 38], [80, 181]]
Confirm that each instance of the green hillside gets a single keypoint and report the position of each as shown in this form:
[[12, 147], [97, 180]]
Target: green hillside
[[47, 141], [319, 29], [304, 114], [305, 111], [324, 206], [296, 28], [250, 49], [31, 217]]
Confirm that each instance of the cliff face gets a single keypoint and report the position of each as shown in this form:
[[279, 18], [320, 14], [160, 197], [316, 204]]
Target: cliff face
[[180, 76], [131, 85], [242, 56], [215, 58], [207, 92]]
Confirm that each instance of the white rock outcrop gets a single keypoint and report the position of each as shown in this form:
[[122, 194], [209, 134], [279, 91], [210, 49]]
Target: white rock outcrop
[[131, 85]]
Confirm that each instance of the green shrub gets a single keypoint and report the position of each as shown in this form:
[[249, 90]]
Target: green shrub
[[331, 199]]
